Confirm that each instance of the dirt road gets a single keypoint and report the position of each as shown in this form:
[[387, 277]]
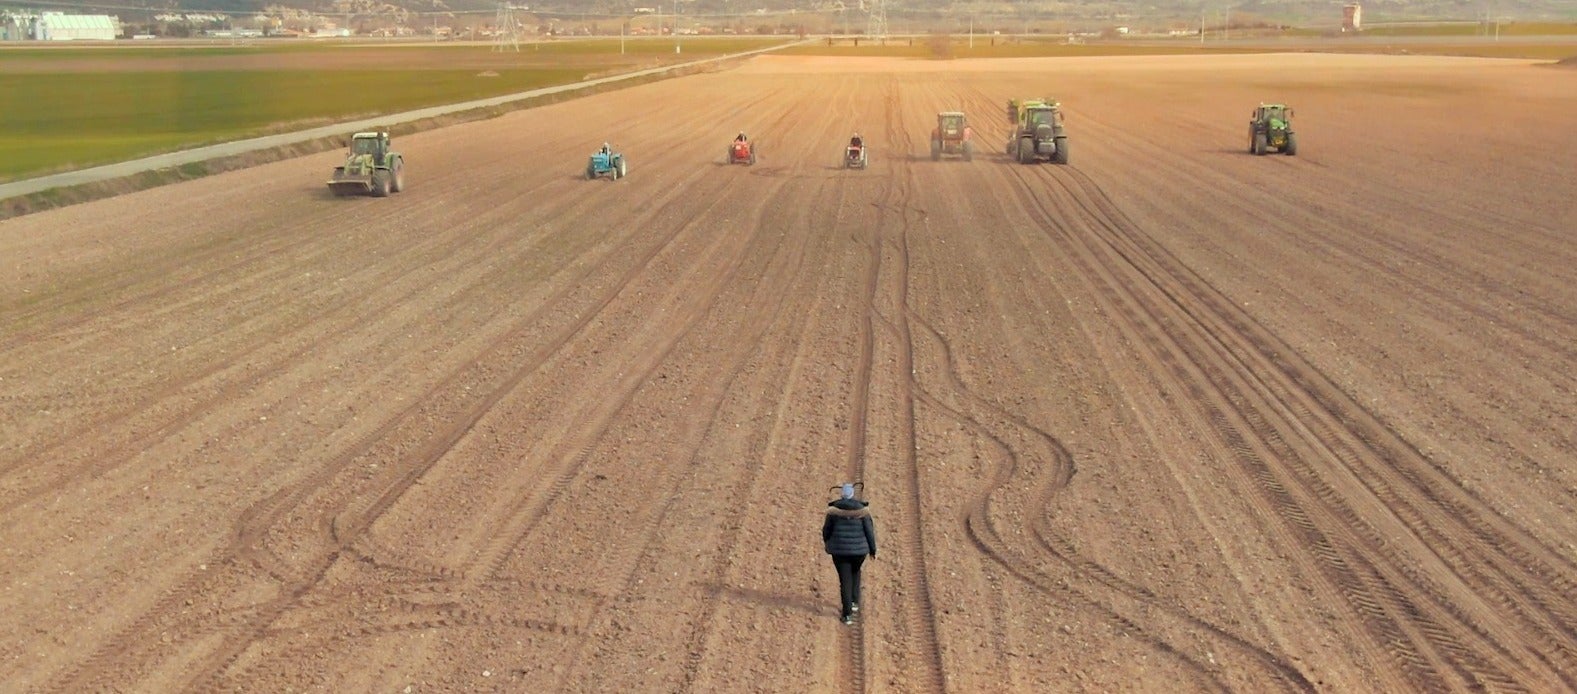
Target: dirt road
[[1170, 418]]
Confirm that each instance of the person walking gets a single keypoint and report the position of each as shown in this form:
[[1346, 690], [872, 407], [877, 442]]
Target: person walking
[[849, 535]]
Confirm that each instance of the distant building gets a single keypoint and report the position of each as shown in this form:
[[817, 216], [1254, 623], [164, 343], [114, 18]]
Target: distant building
[[1352, 18], [56, 26], [15, 27]]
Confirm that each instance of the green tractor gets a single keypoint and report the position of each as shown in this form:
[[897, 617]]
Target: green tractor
[[1271, 128], [371, 167], [1037, 131]]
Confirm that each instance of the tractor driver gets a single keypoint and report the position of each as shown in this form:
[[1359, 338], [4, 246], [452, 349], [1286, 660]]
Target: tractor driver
[[740, 137], [605, 149], [856, 142]]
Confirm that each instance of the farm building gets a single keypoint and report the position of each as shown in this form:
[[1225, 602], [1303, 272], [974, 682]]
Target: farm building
[[15, 26], [55, 26]]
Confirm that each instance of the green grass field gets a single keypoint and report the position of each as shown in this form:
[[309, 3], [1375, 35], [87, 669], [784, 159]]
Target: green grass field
[[89, 106], [402, 52], [76, 120]]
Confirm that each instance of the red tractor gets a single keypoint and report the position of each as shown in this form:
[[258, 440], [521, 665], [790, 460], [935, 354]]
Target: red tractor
[[742, 151], [952, 136]]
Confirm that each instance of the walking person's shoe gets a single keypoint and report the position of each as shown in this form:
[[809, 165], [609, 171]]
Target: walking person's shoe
[[848, 619], [855, 608]]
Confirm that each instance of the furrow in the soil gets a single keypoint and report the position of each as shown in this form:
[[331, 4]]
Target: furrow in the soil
[[1380, 255], [201, 393], [859, 418], [774, 373], [773, 299], [1153, 328], [1358, 538], [1081, 578], [488, 561], [1333, 427], [248, 550], [897, 223], [770, 262]]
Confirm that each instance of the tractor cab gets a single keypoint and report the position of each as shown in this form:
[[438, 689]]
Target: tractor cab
[[1039, 112], [369, 143], [1274, 115], [951, 124], [373, 143]]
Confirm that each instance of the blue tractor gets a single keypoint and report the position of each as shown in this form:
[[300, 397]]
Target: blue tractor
[[606, 162]]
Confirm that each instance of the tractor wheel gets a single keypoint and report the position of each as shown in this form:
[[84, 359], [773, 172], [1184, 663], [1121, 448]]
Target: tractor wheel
[[1260, 144], [1291, 148], [591, 172], [969, 151], [1026, 151], [624, 169], [380, 183], [1061, 155], [936, 150], [398, 184]]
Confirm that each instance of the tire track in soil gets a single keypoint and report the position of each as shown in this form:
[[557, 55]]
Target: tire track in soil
[[1521, 340], [1096, 577], [1409, 486], [169, 283], [492, 556], [799, 320], [490, 561], [140, 398], [1356, 584], [859, 411], [1273, 213], [1412, 631], [422, 609], [351, 308], [800, 326], [123, 653], [165, 278], [1316, 395], [919, 616], [982, 533], [551, 307]]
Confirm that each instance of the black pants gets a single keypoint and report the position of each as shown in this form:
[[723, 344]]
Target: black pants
[[848, 566]]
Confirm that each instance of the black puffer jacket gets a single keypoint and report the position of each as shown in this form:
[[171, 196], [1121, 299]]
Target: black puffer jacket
[[848, 530]]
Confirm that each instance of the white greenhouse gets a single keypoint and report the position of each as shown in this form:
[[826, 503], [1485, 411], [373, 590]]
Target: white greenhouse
[[52, 26]]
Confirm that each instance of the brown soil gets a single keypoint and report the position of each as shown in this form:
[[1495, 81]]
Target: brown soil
[[1171, 418]]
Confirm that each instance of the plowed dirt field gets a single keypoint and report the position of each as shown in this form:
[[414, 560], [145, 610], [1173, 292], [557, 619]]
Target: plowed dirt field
[[1170, 418]]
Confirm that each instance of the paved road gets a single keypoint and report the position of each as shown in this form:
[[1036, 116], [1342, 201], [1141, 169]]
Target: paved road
[[225, 149]]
